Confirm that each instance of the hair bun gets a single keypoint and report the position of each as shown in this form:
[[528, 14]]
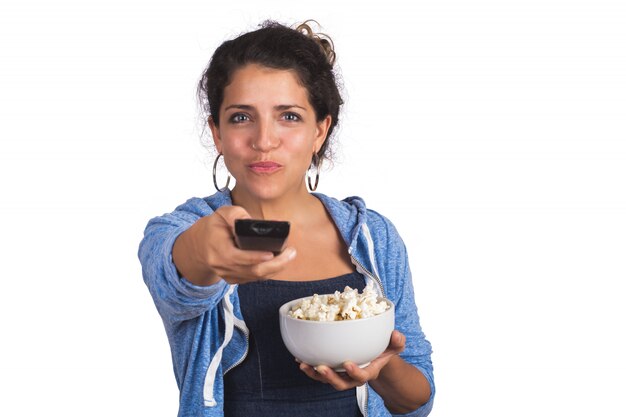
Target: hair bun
[[324, 41]]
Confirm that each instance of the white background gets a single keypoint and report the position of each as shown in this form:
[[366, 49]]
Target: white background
[[492, 133]]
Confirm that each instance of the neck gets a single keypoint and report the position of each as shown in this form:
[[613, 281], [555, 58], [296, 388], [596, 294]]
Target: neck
[[292, 206]]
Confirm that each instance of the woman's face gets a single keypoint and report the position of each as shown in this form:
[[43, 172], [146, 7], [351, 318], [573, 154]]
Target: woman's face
[[268, 131]]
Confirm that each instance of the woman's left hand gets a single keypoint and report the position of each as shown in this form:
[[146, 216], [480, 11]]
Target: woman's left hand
[[355, 376]]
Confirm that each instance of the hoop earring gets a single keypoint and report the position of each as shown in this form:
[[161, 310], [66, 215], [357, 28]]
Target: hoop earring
[[317, 161], [215, 176]]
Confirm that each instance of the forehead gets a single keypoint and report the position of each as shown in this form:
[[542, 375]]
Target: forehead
[[256, 84]]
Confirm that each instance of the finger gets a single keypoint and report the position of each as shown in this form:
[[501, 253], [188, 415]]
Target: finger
[[339, 382], [312, 373], [275, 265], [361, 375], [397, 341], [246, 258], [247, 268], [238, 266]]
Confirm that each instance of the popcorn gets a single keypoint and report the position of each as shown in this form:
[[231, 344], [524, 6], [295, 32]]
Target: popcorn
[[346, 305]]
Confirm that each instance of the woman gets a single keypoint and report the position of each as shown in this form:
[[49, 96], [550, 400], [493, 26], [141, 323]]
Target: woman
[[272, 104]]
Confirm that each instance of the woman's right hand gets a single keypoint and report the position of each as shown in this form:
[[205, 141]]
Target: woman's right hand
[[206, 252]]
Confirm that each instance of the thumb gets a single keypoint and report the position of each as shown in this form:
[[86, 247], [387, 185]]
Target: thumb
[[231, 213], [397, 341]]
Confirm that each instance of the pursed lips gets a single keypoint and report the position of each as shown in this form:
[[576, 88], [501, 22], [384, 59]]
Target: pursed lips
[[264, 166]]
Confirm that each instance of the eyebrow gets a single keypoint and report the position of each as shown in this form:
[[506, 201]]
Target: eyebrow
[[280, 107]]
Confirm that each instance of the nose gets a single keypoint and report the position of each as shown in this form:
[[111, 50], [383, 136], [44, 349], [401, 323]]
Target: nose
[[266, 137]]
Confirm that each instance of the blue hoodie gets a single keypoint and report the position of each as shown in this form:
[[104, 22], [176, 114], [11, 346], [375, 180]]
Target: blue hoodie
[[204, 324]]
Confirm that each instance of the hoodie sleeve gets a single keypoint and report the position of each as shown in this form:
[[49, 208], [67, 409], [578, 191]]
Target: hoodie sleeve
[[175, 297], [392, 259]]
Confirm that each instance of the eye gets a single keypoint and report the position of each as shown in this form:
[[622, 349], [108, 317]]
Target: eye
[[291, 117], [239, 118]]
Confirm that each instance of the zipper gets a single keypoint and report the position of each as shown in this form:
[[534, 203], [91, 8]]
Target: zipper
[[362, 270], [246, 332], [240, 324]]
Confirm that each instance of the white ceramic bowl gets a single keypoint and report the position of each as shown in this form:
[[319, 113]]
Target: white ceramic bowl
[[332, 343]]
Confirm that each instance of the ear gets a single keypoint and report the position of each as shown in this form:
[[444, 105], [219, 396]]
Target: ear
[[215, 133], [321, 132]]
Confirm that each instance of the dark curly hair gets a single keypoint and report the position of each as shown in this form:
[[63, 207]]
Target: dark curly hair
[[274, 45]]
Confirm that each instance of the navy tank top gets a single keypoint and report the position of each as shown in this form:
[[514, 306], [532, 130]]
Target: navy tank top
[[269, 381]]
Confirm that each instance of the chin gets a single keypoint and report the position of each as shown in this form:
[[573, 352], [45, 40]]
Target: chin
[[264, 190]]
